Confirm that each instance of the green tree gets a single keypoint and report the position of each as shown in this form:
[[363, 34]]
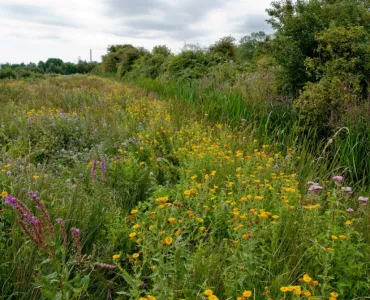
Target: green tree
[[225, 47], [249, 45], [298, 22]]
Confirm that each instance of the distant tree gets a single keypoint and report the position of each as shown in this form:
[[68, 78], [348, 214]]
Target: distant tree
[[161, 50], [69, 68], [189, 64], [41, 65], [7, 73], [119, 56], [225, 47], [249, 45], [126, 58]]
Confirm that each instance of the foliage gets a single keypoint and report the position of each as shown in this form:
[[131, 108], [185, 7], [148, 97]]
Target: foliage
[[51, 66], [342, 69], [253, 45], [225, 47], [7, 73], [297, 24], [161, 199], [189, 64]]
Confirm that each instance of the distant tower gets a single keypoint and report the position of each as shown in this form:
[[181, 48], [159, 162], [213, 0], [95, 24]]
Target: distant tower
[[90, 55]]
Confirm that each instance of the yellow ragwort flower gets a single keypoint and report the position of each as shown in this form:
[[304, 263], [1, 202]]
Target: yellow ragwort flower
[[168, 240]]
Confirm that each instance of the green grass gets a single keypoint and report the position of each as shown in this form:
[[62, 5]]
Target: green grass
[[280, 124]]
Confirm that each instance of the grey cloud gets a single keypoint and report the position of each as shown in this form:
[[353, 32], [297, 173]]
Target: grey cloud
[[156, 18], [34, 14], [253, 23], [129, 7]]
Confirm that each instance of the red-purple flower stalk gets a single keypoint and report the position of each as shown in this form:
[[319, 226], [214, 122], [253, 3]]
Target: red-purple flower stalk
[[77, 243], [41, 207], [31, 225]]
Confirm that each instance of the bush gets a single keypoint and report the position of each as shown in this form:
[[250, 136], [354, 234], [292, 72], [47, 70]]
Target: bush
[[189, 64], [7, 73]]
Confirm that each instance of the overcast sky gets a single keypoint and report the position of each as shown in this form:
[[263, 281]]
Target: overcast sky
[[33, 30]]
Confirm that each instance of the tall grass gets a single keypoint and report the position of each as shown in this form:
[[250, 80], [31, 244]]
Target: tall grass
[[279, 123]]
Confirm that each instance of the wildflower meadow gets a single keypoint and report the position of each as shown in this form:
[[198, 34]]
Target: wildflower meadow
[[111, 192]]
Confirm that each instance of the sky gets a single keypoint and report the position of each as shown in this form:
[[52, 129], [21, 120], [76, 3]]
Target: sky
[[34, 30]]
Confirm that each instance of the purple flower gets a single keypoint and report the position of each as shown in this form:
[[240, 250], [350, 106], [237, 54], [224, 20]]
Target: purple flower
[[59, 220], [350, 210], [338, 179], [12, 201], [363, 200], [75, 230], [347, 190], [311, 183]]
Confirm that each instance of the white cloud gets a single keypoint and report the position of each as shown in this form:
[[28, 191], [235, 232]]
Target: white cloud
[[33, 30]]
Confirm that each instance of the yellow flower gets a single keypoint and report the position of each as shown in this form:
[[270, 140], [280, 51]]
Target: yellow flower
[[208, 292], [142, 298], [334, 295], [334, 237], [284, 289], [162, 199], [172, 220], [35, 176], [306, 278], [342, 236], [202, 228], [4, 194], [150, 297], [116, 256], [247, 294], [168, 240], [348, 222], [132, 235], [134, 211], [212, 297], [135, 255]]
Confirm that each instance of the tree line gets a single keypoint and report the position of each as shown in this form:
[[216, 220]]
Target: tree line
[[50, 66]]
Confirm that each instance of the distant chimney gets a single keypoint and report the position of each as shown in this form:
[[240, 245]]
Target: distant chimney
[[90, 55]]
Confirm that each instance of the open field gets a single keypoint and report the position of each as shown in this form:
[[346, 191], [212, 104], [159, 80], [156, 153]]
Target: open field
[[109, 192]]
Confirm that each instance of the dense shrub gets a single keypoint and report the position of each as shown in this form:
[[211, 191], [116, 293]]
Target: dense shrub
[[7, 73]]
